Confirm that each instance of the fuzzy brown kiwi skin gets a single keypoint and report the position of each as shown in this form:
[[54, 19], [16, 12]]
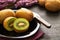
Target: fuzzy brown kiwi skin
[[41, 2], [24, 13], [6, 13], [52, 5], [17, 31], [49, 8]]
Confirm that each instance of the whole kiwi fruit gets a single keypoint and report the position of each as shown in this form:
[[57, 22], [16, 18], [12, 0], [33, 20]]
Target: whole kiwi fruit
[[8, 23], [21, 25], [52, 5], [24, 13], [6, 13], [41, 2]]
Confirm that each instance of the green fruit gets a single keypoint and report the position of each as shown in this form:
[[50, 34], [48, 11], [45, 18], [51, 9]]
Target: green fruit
[[8, 23], [21, 25]]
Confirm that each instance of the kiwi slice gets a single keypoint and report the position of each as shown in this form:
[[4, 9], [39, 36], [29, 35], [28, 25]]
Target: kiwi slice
[[21, 25], [8, 23]]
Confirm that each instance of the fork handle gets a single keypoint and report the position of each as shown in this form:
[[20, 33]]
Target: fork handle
[[41, 20]]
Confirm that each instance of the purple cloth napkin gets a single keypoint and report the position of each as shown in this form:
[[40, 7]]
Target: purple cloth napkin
[[34, 37]]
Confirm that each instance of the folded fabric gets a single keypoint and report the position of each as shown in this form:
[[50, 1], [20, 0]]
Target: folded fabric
[[16, 3], [25, 3]]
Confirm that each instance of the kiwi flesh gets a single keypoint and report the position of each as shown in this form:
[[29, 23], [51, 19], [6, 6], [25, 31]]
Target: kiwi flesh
[[21, 25], [8, 23]]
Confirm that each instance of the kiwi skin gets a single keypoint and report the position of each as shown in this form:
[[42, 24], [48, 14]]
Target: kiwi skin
[[52, 5], [17, 31], [23, 29], [6, 13], [41, 2], [24, 13], [6, 23]]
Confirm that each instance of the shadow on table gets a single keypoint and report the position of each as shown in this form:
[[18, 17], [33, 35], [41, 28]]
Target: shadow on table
[[52, 14], [49, 14], [41, 7]]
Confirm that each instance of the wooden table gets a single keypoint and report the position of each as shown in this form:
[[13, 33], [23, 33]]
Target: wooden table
[[54, 18]]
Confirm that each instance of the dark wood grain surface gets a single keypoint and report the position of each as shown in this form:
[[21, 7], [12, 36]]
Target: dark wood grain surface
[[54, 18]]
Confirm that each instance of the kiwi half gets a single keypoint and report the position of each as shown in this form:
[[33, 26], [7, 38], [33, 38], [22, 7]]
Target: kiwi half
[[8, 23], [21, 25], [6, 13]]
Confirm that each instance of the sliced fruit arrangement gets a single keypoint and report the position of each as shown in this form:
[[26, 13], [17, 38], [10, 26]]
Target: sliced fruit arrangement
[[16, 21], [21, 25], [17, 24], [8, 23]]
